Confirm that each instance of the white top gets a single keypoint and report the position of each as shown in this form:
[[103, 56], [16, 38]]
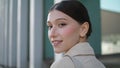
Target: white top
[[79, 56]]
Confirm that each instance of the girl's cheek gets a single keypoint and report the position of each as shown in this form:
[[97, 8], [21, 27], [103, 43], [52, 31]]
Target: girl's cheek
[[67, 31]]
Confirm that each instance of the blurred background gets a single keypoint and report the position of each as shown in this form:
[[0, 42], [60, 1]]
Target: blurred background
[[23, 33]]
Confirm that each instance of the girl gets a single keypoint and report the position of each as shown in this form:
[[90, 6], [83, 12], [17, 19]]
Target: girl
[[69, 28]]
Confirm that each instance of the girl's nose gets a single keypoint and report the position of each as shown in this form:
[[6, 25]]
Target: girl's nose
[[53, 32]]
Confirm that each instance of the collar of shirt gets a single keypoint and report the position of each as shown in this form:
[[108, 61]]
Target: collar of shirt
[[81, 49]]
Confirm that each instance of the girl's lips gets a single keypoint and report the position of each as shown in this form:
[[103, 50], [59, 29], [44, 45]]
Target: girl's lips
[[56, 42]]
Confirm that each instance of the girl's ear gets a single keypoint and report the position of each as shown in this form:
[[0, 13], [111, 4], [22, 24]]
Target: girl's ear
[[84, 29]]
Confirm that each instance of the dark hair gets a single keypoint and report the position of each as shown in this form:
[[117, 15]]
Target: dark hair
[[74, 9]]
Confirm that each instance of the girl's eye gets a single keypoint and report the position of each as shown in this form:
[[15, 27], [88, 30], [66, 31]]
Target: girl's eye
[[49, 27], [62, 25]]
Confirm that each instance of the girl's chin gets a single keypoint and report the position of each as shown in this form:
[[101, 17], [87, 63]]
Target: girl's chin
[[58, 52]]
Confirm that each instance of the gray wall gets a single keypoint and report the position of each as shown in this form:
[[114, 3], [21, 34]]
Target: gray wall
[[21, 33]]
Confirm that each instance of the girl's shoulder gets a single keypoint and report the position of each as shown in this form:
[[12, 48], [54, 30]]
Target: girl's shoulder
[[64, 62]]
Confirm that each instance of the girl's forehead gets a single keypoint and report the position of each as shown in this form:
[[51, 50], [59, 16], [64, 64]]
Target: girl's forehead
[[56, 15]]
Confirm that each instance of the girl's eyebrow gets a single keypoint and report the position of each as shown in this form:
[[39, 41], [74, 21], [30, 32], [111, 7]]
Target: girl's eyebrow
[[60, 19], [57, 19]]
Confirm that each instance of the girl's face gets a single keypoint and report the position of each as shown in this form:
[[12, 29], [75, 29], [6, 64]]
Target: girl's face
[[63, 31]]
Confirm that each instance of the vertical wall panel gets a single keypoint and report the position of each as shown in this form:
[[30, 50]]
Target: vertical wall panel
[[36, 33], [48, 50], [12, 33], [2, 31], [6, 34], [22, 34], [93, 7]]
